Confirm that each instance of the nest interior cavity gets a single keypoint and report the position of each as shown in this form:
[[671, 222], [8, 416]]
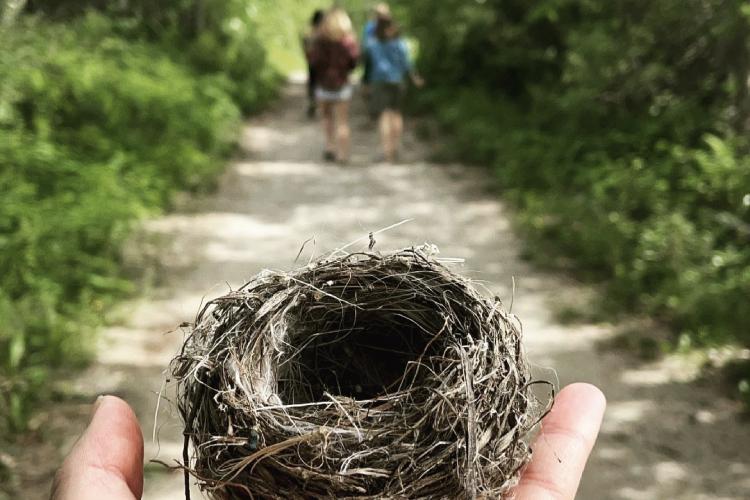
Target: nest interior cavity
[[360, 375]]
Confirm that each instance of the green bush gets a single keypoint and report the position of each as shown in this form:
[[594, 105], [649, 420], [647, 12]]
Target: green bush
[[213, 37], [96, 131], [619, 131]]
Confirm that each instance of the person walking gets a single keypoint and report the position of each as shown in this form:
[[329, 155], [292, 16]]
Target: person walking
[[333, 56], [380, 11], [308, 41], [390, 66]]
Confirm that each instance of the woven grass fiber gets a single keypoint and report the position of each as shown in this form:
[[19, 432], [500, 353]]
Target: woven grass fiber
[[361, 375]]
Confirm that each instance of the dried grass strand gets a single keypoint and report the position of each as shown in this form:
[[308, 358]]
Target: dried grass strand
[[357, 376]]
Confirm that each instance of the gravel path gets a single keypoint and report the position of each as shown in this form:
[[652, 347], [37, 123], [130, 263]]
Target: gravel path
[[665, 435]]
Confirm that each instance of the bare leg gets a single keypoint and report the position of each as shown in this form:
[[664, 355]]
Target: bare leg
[[397, 129], [311, 104], [341, 112], [386, 134], [326, 109]]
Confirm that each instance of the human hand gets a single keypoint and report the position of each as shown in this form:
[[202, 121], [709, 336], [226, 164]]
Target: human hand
[[564, 443], [417, 80], [107, 460]]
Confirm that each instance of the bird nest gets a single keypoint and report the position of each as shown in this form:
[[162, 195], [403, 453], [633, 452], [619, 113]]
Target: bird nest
[[362, 375]]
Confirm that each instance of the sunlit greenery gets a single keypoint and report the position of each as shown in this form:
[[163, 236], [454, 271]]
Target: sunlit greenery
[[104, 115], [619, 129], [106, 110]]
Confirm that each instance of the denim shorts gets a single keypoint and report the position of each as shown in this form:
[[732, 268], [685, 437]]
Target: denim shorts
[[342, 94]]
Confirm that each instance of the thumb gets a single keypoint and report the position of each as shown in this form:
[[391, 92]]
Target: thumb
[[107, 460]]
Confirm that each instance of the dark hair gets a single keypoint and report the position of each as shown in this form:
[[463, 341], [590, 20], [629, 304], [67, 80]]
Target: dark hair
[[317, 17], [384, 25]]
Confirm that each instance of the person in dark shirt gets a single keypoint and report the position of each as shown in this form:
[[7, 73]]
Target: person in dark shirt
[[308, 40], [334, 55]]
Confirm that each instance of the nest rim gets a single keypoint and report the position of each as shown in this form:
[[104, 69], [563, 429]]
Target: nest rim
[[453, 424]]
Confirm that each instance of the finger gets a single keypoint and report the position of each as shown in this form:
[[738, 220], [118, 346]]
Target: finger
[[563, 445], [107, 460]]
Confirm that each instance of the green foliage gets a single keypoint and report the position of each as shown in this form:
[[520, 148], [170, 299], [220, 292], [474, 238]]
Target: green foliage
[[98, 127], [618, 128], [213, 37]]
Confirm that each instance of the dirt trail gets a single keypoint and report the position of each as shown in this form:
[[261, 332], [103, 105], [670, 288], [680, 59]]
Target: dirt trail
[[664, 436]]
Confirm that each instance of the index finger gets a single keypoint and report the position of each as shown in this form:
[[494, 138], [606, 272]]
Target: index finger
[[563, 445]]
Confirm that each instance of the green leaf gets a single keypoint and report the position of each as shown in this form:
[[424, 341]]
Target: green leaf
[[17, 349]]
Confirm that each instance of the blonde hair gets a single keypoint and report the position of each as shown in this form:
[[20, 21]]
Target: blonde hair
[[336, 24], [382, 10]]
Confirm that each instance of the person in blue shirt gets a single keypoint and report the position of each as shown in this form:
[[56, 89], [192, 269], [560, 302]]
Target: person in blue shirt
[[390, 66], [381, 10]]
